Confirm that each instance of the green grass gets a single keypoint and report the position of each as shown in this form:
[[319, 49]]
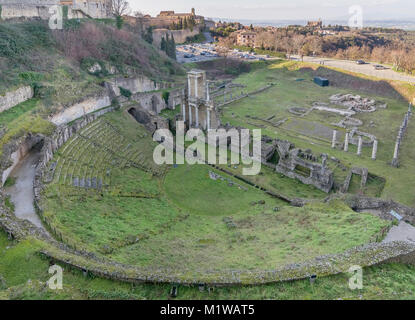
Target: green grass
[[10, 181], [228, 200], [388, 281], [285, 94], [186, 220], [17, 111]]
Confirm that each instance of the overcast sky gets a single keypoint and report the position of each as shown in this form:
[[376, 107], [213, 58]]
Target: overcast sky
[[282, 9]]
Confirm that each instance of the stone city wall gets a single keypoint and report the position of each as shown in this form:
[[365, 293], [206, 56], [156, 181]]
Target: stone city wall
[[180, 36]]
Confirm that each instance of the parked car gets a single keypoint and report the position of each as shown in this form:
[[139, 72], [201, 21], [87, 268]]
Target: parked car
[[360, 62], [379, 67]]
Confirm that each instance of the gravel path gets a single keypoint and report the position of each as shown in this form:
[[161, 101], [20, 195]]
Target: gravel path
[[402, 232]]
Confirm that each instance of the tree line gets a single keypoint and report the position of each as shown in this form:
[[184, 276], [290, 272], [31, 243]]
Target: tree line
[[396, 48], [168, 45]]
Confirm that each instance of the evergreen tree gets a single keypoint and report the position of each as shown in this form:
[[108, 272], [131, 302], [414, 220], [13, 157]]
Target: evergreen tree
[[163, 45], [148, 35], [172, 51]]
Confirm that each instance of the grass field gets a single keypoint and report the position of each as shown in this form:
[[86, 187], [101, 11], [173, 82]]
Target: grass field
[[185, 220], [389, 281], [276, 101]]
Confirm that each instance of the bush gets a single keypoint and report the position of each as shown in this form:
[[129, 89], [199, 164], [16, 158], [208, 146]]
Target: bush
[[166, 96], [125, 92], [119, 22]]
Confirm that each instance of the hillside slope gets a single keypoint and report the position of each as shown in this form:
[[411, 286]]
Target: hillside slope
[[57, 63]]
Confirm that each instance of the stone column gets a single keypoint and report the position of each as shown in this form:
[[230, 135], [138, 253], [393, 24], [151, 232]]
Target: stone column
[[375, 149], [196, 88], [188, 83], [359, 146], [184, 111], [207, 92], [346, 142], [334, 140], [190, 116], [396, 151], [197, 116], [207, 119]]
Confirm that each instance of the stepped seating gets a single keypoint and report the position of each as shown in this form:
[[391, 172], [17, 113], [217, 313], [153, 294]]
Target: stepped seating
[[87, 159]]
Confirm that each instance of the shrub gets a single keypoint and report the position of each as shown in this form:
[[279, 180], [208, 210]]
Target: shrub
[[166, 96], [125, 92]]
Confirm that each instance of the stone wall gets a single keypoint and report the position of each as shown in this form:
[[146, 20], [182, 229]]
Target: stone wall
[[16, 9], [28, 142], [179, 35], [382, 207], [135, 85], [78, 110], [63, 133], [402, 130], [152, 102], [13, 98], [139, 86]]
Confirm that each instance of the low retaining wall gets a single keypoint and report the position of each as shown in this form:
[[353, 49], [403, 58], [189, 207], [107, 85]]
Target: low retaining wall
[[383, 207], [78, 110], [13, 98]]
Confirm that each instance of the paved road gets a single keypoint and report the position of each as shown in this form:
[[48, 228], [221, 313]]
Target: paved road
[[366, 69], [21, 193]]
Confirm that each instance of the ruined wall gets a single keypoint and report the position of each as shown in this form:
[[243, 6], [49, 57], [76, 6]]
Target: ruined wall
[[151, 102], [26, 8], [80, 109], [382, 206], [13, 98], [135, 85], [179, 35], [22, 150]]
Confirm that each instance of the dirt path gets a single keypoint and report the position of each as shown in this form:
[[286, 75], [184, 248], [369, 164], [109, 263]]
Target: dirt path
[[402, 232], [21, 193], [367, 69]]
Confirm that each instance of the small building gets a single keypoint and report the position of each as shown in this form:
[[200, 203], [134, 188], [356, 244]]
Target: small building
[[246, 38], [315, 24]]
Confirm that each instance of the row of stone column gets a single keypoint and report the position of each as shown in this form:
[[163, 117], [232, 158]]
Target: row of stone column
[[196, 113], [401, 133], [359, 144]]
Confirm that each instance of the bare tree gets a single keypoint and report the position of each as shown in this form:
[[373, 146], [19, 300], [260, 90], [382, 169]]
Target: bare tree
[[120, 7]]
